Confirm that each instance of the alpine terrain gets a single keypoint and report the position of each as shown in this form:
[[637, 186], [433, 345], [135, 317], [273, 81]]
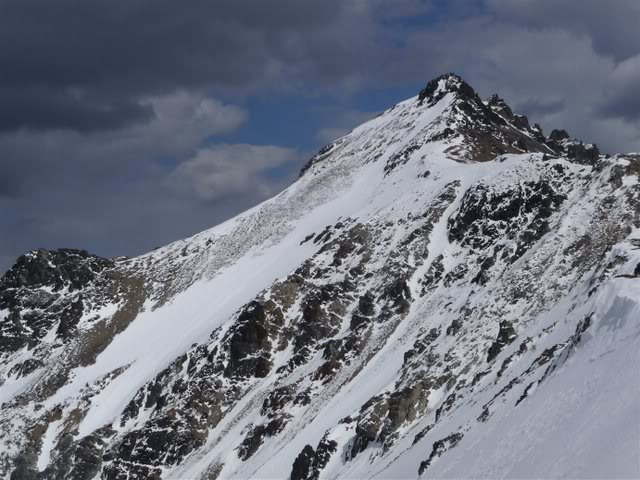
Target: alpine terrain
[[445, 292]]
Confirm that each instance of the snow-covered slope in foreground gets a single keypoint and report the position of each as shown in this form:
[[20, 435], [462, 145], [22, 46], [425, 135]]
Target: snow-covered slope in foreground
[[445, 292]]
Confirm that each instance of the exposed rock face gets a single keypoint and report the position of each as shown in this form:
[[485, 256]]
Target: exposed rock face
[[57, 269], [33, 289], [437, 88], [488, 128], [428, 274], [303, 464], [439, 448], [518, 213], [506, 335], [309, 463], [250, 346], [381, 416], [579, 152]]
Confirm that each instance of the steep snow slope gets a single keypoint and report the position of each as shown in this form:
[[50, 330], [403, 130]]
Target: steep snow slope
[[444, 292]]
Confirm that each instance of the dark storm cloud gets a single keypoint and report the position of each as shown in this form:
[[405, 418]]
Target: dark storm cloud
[[112, 134], [535, 107], [89, 65], [622, 94], [42, 108], [9, 186], [35, 163]]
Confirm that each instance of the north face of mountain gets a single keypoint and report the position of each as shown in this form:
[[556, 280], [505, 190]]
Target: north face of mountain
[[444, 292]]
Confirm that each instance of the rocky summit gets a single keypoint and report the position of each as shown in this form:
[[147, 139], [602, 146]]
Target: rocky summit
[[445, 292]]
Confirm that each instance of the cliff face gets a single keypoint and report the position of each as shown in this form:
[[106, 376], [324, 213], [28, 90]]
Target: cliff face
[[444, 292]]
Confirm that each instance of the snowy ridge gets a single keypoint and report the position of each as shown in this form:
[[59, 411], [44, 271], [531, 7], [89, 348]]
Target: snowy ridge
[[444, 292]]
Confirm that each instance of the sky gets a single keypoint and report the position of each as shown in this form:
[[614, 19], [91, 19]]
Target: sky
[[127, 125]]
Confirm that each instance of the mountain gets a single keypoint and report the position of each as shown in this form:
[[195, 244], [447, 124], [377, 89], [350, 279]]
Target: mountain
[[445, 292]]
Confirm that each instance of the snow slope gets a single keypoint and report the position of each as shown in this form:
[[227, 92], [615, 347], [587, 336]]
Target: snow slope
[[444, 292]]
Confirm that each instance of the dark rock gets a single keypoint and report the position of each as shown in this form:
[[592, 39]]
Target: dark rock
[[25, 466], [40, 291], [364, 312], [400, 158], [56, 269], [250, 343], [421, 434], [519, 213], [446, 406], [25, 368], [561, 143], [318, 321], [254, 438], [303, 464], [405, 406], [322, 153], [557, 135], [483, 274], [437, 88], [484, 416], [521, 122], [440, 447], [82, 460], [69, 318], [309, 463], [383, 415], [506, 335], [162, 441], [325, 449], [327, 370], [278, 399], [455, 327], [582, 153], [307, 238], [498, 105], [399, 294]]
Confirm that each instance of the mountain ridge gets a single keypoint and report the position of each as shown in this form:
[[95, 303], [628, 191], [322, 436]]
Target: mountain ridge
[[430, 273]]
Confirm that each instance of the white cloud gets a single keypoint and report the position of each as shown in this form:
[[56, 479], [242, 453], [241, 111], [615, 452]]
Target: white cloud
[[182, 121], [182, 124], [107, 190], [223, 170]]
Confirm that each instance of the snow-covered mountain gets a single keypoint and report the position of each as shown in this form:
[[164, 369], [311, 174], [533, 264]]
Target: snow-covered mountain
[[445, 292]]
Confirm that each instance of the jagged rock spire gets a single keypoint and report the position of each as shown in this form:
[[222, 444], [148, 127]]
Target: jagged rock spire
[[440, 86]]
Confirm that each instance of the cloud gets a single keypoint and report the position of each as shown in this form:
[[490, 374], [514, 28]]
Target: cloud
[[107, 190], [184, 119], [89, 66], [40, 108], [224, 170], [31, 159], [553, 74], [540, 107], [622, 93], [93, 67], [611, 26], [111, 118]]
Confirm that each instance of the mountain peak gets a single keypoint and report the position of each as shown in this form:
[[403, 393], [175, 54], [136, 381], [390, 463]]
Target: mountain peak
[[394, 312], [450, 115], [440, 86], [498, 105]]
